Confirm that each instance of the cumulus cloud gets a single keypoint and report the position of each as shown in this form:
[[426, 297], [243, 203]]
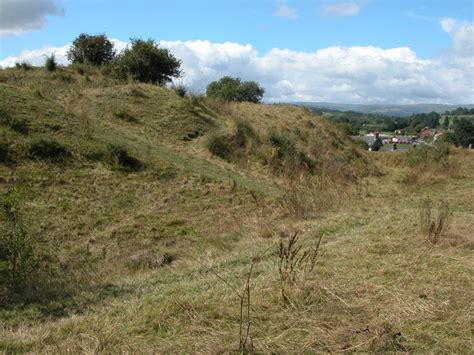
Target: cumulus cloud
[[20, 16], [350, 8], [359, 74], [283, 10], [37, 57], [334, 74], [462, 33]]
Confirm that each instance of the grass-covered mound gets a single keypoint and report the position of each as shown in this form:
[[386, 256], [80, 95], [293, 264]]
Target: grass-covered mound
[[135, 216]]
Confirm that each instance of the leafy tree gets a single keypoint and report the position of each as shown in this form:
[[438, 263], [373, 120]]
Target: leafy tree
[[250, 91], [91, 49], [233, 89], [145, 61], [463, 134]]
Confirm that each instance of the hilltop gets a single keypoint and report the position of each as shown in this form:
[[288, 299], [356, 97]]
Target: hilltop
[[157, 218]]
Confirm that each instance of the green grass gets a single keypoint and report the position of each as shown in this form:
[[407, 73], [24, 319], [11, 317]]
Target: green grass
[[137, 256]]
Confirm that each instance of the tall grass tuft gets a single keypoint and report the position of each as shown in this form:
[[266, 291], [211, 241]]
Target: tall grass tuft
[[434, 224]]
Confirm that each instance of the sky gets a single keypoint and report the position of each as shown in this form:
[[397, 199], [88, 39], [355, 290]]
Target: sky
[[344, 51]]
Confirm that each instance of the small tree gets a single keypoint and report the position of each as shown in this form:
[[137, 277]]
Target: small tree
[[233, 89], [91, 49], [50, 63], [145, 61]]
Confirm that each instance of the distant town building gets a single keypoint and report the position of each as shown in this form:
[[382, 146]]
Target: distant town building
[[426, 132]]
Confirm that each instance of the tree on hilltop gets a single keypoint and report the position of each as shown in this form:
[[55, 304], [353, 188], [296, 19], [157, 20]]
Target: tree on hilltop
[[145, 61], [233, 89], [91, 49]]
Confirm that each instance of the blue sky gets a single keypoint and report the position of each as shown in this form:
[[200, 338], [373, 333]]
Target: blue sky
[[300, 26]]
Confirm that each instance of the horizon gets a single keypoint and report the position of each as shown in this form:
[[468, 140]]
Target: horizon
[[377, 52]]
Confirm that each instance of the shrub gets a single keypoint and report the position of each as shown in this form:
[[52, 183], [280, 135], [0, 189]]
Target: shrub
[[233, 89], [24, 65], [91, 49], [118, 158], [5, 153], [145, 61], [48, 150], [285, 158], [50, 63], [231, 146], [283, 143], [181, 90], [220, 145]]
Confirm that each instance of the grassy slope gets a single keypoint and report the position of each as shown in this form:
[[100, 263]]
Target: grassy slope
[[377, 285]]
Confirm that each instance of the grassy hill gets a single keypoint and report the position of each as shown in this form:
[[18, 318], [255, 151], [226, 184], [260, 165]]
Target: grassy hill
[[161, 224]]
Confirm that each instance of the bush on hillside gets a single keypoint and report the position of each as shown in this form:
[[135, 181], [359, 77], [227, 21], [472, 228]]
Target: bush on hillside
[[233, 89], [91, 49], [5, 153], [118, 158], [24, 65], [145, 61], [50, 63], [180, 89], [15, 124], [48, 150], [286, 157], [220, 145], [233, 146]]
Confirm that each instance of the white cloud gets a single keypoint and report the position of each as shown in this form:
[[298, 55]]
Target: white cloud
[[349, 8], [37, 57], [360, 74], [20, 16], [462, 34], [283, 10]]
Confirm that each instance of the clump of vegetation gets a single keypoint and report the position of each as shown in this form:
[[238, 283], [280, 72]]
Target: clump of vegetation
[[50, 63], [124, 115], [285, 157], [17, 257], [293, 260], [180, 89], [91, 49], [48, 150], [16, 124], [233, 146], [424, 161], [5, 153], [145, 61], [463, 133], [24, 65], [220, 145], [233, 89], [434, 225], [118, 158]]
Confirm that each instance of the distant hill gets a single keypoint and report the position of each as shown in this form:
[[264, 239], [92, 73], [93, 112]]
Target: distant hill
[[389, 110]]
